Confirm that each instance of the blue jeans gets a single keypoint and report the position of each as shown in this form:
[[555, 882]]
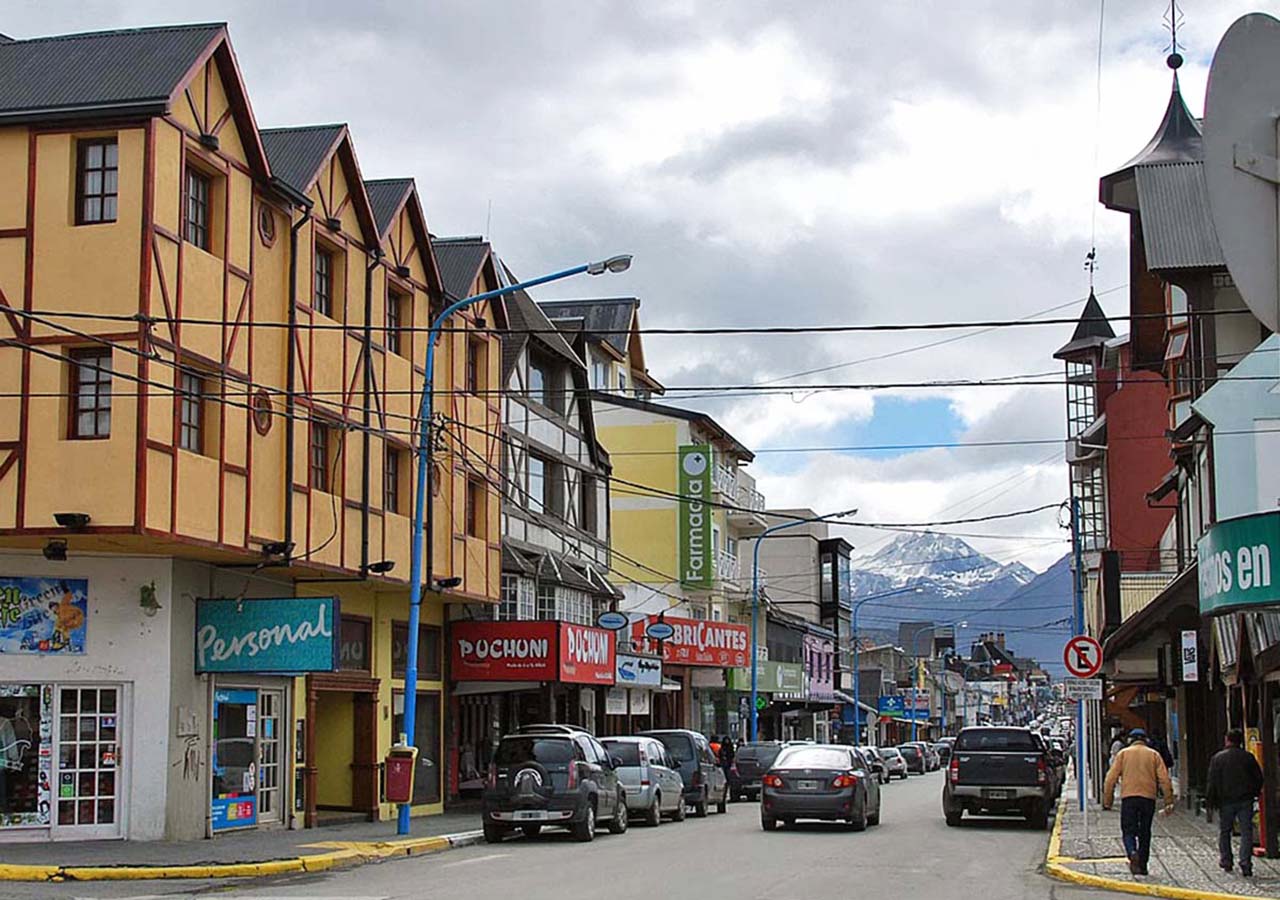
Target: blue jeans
[[1228, 815], [1136, 814]]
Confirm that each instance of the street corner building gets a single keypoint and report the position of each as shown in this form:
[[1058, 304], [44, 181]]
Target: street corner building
[[1172, 450], [213, 344]]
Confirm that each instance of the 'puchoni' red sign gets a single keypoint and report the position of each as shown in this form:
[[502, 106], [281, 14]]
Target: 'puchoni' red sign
[[504, 651], [533, 651], [698, 642], [586, 654]]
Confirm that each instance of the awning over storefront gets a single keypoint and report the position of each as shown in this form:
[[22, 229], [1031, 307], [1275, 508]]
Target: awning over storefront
[[555, 568]]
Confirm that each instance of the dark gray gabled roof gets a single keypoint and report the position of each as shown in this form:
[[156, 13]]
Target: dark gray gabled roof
[[99, 73], [606, 319], [385, 196], [460, 259], [1177, 227], [527, 323], [296, 154]]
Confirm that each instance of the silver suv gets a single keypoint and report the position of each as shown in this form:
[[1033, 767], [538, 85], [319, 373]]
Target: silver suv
[[654, 787]]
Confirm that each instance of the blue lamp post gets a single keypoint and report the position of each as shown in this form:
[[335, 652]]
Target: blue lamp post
[[857, 668], [755, 603], [424, 453]]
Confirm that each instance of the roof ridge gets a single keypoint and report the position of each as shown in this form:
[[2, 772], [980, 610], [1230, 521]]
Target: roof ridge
[[84, 35], [406, 178], [581, 300], [280, 129], [459, 239]]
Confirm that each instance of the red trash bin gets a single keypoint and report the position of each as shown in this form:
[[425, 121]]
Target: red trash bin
[[400, 765]]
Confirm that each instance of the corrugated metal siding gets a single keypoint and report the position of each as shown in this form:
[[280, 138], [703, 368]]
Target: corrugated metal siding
[[385, 196], [1139, 589], [296, 154], [1177, 229], [102, 69]]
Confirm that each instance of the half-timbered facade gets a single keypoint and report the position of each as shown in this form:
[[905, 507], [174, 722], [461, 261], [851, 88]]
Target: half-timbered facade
[[213, 348]]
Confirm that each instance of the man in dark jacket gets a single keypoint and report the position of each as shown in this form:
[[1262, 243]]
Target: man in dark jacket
[[1235, 779]]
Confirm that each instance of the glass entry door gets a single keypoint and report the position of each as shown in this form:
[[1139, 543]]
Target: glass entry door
[[270, 744], [88, 778]]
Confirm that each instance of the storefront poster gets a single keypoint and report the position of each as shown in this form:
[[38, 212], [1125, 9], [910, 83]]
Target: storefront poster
[[771, 678], [639, 671], [694, 485], [286, 635], [615, 702], [1238, 560], [640, 702], [43, 615], [504, 651], [698, 642], [586, 654], [26, 754]]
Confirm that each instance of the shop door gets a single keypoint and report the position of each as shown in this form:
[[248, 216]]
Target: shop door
[[270, 750], [89, 765]]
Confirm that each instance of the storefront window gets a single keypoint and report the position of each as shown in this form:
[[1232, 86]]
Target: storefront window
[[235, 730], [354, 652], [428, 650], [26, 731], [426, 781]]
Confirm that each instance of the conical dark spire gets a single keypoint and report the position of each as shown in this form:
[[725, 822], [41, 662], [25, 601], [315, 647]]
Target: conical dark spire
[[1178, 139], [1092, 330]]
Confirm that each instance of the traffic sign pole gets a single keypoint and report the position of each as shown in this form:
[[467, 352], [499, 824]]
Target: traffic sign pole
[[1079, 630]]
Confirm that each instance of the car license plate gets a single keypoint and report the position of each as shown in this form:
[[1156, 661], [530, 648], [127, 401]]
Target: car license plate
[[529, 815], [997, 794], [808, 785]]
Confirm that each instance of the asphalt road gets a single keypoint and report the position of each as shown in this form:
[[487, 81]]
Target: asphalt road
[[910, 854]]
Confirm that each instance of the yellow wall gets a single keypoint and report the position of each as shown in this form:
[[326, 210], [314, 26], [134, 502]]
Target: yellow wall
[[334, 743]]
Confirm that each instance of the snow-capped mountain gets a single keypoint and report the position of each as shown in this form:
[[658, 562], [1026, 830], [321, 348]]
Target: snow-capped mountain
[[942, 566]]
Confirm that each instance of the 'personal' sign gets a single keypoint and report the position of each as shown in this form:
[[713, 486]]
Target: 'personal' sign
[[285, 635]]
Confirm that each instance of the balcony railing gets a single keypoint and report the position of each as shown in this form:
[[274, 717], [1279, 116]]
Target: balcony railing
[[725, 480], [727, 566], [750, 498]]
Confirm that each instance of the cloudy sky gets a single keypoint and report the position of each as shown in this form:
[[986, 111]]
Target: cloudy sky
[[768, 163]]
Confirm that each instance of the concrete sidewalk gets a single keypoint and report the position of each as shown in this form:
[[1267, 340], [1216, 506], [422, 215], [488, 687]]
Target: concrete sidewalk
[[1184, 856], [236, 855]]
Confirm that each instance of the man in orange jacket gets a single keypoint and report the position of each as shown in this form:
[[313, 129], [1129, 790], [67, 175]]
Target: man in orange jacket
[[1142, 775]]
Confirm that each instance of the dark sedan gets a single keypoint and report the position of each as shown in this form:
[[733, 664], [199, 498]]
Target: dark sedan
[[820, 781]]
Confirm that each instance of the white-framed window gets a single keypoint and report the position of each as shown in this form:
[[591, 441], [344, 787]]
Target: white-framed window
[[546, 601], [622, 382], [518, 601], [599, 375]]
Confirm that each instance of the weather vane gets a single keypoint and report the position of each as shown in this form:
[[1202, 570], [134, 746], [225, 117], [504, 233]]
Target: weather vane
[[1091, 265], [1173, 20]]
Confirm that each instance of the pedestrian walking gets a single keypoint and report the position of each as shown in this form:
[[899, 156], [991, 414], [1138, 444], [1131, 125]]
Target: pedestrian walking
[[1117, 744], [1235, 780], [1142, 776]]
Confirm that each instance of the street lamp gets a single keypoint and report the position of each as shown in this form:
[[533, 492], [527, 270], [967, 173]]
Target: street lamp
[[424, 453], [857, 668], [755, 602]]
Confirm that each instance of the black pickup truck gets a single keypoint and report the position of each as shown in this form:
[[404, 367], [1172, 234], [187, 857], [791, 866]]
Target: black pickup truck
[[999, 770]]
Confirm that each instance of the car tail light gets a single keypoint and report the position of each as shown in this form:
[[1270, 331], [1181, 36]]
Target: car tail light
[[493, 775], [733, 770], [1042, 771], [573, 776], [954, 770], [772, 781], [696, 780], [845, 781]]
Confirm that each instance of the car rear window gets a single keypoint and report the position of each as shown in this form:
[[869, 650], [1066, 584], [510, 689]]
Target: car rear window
[[763, 753], [812, 758], [545, 750], [909, 751], [887, 753], [626, 751], [997, 739], [679, 745]]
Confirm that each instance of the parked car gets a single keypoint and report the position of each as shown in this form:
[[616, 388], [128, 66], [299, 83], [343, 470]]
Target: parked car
[[549, 779], [1055, 752], [894, 762], [704, 781], [649, 776], [943, 750], [999, 769], [750, 762], [831, 782], [916, 763], [550, 728], [876, 763]]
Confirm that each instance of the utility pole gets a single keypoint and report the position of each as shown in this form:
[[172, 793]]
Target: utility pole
[[1079, 629]]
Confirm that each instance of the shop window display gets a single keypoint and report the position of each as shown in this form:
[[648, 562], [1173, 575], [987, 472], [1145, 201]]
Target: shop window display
[[26, 754]]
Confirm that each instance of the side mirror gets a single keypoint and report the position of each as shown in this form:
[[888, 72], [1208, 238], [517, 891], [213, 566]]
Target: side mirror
[[615, 762]]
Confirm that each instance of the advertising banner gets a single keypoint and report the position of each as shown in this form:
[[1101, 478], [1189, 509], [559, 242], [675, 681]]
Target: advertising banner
[[285, 635], [638, 671], [615, 702], [586, 654], [504, 651], [698, 642], [46, 616], [771, 678], [697, 556], [1190, 655], [1237, 563]]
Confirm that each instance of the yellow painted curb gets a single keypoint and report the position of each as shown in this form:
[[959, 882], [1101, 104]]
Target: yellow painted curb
[[1055, 866], [343, 853]]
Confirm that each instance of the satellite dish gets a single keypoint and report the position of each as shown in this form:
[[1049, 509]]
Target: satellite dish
[[1240, 149]]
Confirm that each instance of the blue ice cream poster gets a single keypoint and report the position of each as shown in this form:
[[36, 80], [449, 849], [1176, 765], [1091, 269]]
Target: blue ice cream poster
[[43, 615]]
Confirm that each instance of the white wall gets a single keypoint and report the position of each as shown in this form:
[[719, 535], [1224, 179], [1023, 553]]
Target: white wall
[[122, 646]]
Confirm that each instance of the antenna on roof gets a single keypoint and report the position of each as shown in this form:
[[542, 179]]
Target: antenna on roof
[[1173, 19], [488, 223]]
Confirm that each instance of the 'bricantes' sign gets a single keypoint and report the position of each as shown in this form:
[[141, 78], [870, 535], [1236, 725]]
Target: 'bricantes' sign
[[1237, 563], [698, 642], [697, 556], [532, 651]]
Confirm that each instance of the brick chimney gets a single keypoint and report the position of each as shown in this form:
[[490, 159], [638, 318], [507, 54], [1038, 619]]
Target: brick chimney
[[1000, 640]]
